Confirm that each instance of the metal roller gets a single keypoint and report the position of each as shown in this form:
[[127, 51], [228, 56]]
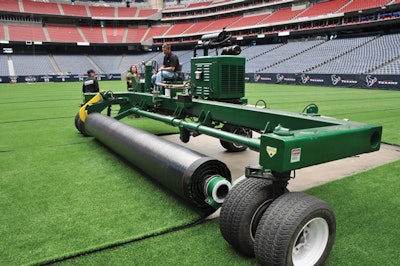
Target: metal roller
[[200, 180]]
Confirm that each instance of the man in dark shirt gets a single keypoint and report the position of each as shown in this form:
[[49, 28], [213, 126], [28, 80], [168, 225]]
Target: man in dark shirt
[[170, 65], [90, 84]]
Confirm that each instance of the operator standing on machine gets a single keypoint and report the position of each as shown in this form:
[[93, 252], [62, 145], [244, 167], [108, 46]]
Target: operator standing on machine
[[90, 84], [170, 64]]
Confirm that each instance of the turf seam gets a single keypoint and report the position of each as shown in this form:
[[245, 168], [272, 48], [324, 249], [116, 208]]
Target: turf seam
[[120, 244], [33, 120]]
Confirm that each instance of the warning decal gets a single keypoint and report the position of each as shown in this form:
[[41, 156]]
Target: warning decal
[[295, 156], [271, 151]]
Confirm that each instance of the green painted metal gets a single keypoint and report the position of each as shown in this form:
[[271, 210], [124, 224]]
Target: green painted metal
[[306, 147], [218, 77], [287, 141]]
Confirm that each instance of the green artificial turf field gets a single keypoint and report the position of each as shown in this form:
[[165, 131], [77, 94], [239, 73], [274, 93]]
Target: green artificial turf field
[[66, 198]]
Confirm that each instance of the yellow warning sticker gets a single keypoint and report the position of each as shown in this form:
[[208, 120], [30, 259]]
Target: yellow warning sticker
[[271, 151]]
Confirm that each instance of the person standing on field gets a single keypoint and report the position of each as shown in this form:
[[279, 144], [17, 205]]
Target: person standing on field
[[132, 78], [90, 84]]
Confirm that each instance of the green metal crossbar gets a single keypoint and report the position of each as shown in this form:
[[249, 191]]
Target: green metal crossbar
[[288, 140]]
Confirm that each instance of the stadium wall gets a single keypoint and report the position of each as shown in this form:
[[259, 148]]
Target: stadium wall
[[55, 78], [370, 81]]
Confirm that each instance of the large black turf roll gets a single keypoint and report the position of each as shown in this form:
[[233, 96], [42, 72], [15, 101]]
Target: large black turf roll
[[178, 168]]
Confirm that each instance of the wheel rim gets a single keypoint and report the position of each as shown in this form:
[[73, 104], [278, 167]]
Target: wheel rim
[[241, 132], [310, 243], [255, 219]]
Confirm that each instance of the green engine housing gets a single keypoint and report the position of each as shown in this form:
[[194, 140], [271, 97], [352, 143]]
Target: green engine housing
[[218, 77]]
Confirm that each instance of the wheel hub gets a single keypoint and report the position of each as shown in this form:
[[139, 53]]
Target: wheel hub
[[310, 242]]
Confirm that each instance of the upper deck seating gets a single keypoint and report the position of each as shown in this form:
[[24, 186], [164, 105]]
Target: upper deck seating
[[74, 10], [26, 33], [197, 27], [356, 5], [155, 31], [135, 35], [179, 28], [219, 24], [247, 21], [115, 34], [66, 34], [126, 12], [93, 34], [323, 8], [200, 4], [8, 5], [280, 15], [2, 34], [40, 7], [102, 11], [144, 13]]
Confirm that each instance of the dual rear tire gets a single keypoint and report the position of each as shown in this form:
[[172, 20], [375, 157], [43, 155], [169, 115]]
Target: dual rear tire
[[293, 229]]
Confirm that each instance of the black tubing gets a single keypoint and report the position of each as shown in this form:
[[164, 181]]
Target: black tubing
[[180, 169]]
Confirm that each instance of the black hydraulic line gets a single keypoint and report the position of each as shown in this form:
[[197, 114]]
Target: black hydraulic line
[[200, 180]]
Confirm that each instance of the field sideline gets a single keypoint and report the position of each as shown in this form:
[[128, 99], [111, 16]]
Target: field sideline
[[68, 200]]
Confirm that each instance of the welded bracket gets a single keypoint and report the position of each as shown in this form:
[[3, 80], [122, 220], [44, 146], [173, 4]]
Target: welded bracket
[[279, 181], [205, 118]]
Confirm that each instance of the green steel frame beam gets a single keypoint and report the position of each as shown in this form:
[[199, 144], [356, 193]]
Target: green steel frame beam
[[288, 140]]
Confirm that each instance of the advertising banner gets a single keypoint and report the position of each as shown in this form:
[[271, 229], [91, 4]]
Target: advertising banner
[[55, 78], [386, 82]]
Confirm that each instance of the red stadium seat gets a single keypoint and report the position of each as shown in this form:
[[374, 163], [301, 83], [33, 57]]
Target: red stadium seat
[[219, 24], [247, 21], [2, 35], [356, 5], [145, 13], [65, 34], [40, 7], [179, 28], [26, 33], [155, 31], [8, 5], [93, 34], [102, 11], [281, 15], [323, 8], [135, 35], [115, 35], [74, 10], [126, 12]]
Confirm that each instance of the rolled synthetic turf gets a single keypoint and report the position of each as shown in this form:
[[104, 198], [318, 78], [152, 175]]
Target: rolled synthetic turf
[[62, 194]]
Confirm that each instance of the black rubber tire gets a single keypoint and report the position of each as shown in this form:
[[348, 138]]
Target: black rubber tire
[[242, 210], [80, 126], [235, 147], [282, 227]]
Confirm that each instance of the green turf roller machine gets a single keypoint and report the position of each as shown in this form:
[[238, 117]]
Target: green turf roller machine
[[259, 216]]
